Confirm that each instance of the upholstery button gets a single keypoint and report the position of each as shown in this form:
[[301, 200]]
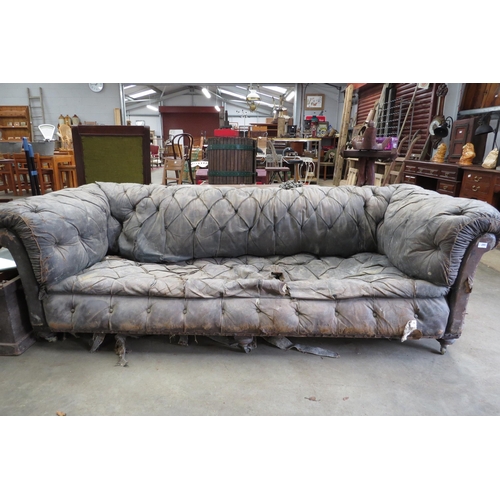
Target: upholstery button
[[149, 310], [374, 314], [72, 309], [184, 311], [110, 309], [416, 315], [336, 313]]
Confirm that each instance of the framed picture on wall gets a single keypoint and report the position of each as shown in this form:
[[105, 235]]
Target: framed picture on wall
[[315, 101]]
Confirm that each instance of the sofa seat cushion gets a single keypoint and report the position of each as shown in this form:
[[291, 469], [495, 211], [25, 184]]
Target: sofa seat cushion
[[302, 276]]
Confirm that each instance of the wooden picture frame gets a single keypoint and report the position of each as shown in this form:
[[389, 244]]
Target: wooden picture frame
[[112, 153], [315, 101]]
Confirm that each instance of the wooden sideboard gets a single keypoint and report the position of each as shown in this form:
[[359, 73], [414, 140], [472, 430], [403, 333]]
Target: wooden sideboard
[[445, 178], [473, 182], [481, 184]]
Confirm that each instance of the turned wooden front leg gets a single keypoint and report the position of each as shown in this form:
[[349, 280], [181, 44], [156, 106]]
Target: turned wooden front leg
[[445, 343]]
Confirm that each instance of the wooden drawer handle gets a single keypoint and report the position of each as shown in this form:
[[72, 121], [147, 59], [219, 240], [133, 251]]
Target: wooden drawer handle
[[477, 179], [475, 188]]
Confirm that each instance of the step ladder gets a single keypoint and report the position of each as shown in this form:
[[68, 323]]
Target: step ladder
[[37, 114]]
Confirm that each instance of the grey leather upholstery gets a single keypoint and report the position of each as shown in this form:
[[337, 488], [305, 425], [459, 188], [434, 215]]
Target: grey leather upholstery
[[339, 261]]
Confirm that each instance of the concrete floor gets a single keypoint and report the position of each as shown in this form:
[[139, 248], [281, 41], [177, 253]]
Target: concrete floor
[[377, 377]]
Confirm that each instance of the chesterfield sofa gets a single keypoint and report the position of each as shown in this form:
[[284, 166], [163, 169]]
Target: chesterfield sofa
[[241, 262]]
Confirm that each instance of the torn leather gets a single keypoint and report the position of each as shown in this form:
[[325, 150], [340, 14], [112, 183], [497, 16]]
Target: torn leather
[[286, 344]]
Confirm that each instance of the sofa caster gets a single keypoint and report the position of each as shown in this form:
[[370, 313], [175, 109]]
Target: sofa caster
[[246, 343], [445, 343], [121, 350], [97, 339]]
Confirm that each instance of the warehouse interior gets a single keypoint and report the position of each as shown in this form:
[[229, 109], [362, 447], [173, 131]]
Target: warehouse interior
[[377, 409]]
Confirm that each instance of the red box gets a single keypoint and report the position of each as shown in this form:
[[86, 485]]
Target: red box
[[226, 132], [201, 175], [320, 118]]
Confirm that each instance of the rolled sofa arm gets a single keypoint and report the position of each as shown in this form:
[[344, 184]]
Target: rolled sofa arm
[[62, 232], [426, 234]]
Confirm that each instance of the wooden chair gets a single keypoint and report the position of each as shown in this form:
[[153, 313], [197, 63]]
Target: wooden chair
[[275, 169], [21, 173], [7, 177], [173, 165], [352, 176], [182, 148], [112, 153], [46, 174]]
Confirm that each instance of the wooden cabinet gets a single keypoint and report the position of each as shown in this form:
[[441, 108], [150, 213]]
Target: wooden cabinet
[[463, 131], [445, 178], [15, 123], [481, 184]]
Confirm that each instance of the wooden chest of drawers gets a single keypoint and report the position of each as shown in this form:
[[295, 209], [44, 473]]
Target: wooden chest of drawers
[[481, 184], [444, 178]]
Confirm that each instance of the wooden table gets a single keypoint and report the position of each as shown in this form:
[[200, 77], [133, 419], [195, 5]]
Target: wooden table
[[366, 162]]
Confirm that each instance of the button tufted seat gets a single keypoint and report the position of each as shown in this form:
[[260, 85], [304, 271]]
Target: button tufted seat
[[312, 261]]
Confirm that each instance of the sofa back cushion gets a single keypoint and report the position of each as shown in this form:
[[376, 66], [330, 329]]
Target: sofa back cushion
[[154, 223]]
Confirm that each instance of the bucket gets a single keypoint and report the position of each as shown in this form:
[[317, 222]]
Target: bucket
[[231, 160], [10, 147], [43, 148]]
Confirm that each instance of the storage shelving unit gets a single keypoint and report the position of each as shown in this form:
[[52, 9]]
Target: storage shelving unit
[[15, 123]]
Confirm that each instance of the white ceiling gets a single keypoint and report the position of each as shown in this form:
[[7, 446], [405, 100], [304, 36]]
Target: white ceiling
[[225, 93]]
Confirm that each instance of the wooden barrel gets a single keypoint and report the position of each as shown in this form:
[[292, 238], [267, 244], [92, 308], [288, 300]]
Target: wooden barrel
[[231, 160]]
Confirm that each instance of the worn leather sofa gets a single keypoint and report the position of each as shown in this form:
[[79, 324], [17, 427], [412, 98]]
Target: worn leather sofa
[[240, 262]]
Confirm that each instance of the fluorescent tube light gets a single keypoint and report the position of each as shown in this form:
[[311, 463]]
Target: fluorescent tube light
[[217, 108], [152, 108], [128, 87], [281, 90], [143, 93], [206, 92], [291, 95]]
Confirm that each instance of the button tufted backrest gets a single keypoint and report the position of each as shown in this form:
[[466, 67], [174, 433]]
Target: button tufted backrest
[[169, 224]]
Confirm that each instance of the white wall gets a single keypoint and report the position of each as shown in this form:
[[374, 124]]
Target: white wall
[[66, 99]]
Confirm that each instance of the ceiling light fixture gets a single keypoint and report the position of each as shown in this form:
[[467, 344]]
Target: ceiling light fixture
[[206, 92], [281, 90], [129, 87], [252, 95], [222, 91], [217, 108], [291, 95], [142, 93], [152, 108]]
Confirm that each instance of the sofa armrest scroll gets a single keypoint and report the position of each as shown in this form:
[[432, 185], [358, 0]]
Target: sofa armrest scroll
[[426, 234]]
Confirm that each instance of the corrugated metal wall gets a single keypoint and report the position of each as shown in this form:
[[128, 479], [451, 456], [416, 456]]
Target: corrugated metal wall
[[397, 99]]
